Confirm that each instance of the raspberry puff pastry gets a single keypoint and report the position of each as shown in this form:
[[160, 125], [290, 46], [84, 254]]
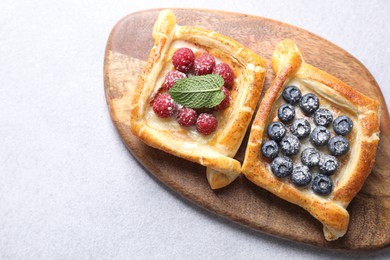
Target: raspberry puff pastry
[[313, 140], [163, 124]]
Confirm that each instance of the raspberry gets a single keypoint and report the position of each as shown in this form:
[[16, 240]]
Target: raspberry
[[206, 123], [183, 59], [204, 64], [186, 116], [163, 106], [226, 72], [224, 103], [171, 78]]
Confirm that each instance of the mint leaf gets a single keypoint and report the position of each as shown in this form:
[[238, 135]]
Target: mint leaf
[[198, 91]]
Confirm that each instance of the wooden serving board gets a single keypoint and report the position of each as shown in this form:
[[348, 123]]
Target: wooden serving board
[[243, 202]]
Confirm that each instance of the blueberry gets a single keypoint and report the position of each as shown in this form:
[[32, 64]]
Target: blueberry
[[292, 95], [310, 157], [286, 112], [282, 166], [323, 117], [300, 175], [300, 128], [290, 145], [270, 149], [328, 165], [342, 125], [309, 103], [338, 145], [320, 136], [322, 185], [276, 131]]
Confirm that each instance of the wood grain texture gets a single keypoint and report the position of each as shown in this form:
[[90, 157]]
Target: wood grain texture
[[243, 202]]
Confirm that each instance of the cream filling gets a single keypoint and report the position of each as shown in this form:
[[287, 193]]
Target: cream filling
[[171, 125]]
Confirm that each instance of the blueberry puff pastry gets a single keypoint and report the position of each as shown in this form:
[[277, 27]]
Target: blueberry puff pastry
[[333, 160]]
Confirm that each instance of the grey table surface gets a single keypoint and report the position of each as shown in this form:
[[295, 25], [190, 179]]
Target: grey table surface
[[69, 189]]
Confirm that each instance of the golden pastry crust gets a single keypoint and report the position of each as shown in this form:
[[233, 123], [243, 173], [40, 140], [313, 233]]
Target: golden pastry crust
[[288, 64], [214, 151]]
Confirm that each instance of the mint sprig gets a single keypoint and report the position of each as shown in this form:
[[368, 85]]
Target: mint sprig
[[198, 91]]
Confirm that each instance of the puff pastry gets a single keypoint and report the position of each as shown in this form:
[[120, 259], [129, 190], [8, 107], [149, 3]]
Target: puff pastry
[[215, 151], [355, 166]]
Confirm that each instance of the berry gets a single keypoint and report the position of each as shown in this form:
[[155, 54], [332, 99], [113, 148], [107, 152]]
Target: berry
[[286, 112], [183, 59], [206, 123], [309, 103], [322, 185], [342, 125], [292, 95], [225, 102], [300, 128], [171, 78], [186, 116], [323, 117], [164, 106], [320, 136], [310, 157], [328, 165], [270, 149], [290, 145], [226, 72], [338, 145], [204, 64], [301, 176], [276, 131], [282, 166]]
